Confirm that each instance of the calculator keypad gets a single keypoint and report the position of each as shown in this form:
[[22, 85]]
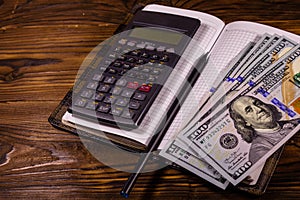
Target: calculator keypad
[[123, 86]]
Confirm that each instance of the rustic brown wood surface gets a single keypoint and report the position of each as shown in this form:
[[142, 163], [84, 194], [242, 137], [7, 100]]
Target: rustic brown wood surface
[[42, 44]]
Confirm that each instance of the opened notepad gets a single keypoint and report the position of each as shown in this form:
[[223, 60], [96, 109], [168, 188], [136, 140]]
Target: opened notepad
[[222, 42]]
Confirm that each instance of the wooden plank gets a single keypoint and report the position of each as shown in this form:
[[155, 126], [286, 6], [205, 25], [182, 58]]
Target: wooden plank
[[42, 45]]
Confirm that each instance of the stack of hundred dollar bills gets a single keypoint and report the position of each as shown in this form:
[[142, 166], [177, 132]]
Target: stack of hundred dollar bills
[[246, 117]]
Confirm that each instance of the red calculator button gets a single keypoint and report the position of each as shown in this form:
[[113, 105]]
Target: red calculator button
[[145, 88], [132, 85]]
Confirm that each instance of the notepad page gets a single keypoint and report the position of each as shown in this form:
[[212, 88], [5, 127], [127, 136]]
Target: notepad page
[[230, 43]]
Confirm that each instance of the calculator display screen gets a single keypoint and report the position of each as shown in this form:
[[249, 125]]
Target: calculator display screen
[[158, 35]]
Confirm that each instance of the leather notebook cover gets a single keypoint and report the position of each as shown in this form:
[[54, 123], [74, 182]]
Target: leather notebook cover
[[55, 119]]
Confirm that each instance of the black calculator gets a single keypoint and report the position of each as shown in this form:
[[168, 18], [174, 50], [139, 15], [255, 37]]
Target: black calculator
[[129, 71]]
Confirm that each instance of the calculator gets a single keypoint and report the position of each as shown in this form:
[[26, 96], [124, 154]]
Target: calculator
[[131, 69]]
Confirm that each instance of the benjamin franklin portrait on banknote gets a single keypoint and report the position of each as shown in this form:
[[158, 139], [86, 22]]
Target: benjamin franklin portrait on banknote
[[259, 124]]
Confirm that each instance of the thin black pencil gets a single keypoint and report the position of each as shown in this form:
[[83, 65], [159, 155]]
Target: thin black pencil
[[198, 68]]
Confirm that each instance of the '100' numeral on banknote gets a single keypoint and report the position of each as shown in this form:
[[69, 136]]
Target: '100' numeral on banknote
[[253, 124]]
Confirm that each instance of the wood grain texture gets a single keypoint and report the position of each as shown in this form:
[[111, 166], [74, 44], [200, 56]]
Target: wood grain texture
[[42, 45]]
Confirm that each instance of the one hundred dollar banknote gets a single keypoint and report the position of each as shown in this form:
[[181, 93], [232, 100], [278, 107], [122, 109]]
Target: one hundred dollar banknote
[[176, 153], [276, 49], [253, 124], [263, 62]]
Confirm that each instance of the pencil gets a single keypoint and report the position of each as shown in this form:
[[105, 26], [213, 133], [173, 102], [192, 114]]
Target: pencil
[[197, 69]]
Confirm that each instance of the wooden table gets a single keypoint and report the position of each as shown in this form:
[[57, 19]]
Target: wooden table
[[42, 45]]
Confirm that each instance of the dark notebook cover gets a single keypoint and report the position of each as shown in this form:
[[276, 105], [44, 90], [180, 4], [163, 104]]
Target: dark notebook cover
[[56, 120]]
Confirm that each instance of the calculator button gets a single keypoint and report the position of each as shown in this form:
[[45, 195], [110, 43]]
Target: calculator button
[[151, 79], [136, 68], [156, 71], [104, 108], [134, 105], [118, 49], [154, 56], [102, 68], [170, 50], [112, 71], [122, 41], [128, 114], [146, 70], [87, 94], [140, 61], [145, 55], [132, 60], [112, 55], [110, 80], [116, 111], [131, 74], [98, 77], [161, 48], [142, 76], [149, 47], [127, 93], [122, 102], [117, 90], [122, 57], [135, 53], [122, 72], [132, 85], [141, 45], [127, 66], [117, 64], [104, 88], [80, 102], [139, 96], [165, 58], [91, 105], [121, 82], [151, 63], [107, 62], [109, 100], [98, 97], [132, 44], [92, 85], [126, 50], [145, 88]]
